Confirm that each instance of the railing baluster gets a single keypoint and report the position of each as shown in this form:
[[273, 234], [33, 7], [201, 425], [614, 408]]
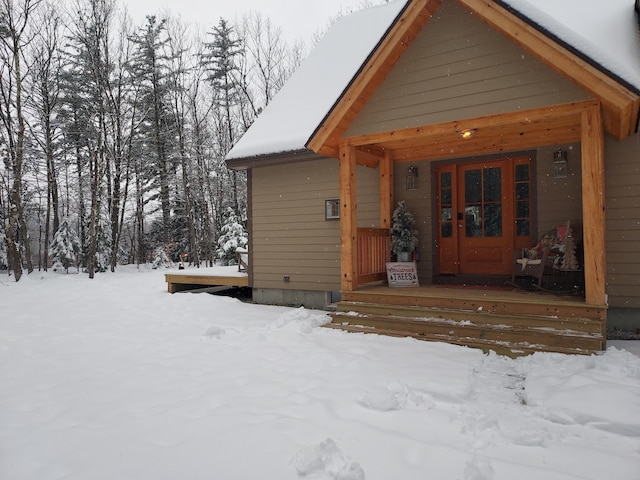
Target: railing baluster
[[373, 254]]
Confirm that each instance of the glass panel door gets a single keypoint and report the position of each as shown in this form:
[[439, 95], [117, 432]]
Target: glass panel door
[[483, 202], [485, 223]]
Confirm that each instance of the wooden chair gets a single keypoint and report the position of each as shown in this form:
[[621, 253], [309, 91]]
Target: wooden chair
[[548, 255], [529, 267]]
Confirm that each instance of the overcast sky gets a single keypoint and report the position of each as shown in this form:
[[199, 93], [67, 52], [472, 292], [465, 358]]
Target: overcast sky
[[299, 19]]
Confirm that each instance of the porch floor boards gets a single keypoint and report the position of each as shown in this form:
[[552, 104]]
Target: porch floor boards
[[512, 322]]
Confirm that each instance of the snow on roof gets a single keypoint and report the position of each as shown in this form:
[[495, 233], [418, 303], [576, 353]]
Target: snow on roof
[[608, 34], [292, 117]]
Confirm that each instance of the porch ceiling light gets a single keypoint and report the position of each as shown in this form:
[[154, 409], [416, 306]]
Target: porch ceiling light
[[467, 133]]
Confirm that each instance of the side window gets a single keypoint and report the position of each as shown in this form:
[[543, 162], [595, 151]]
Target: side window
[[332, 209]]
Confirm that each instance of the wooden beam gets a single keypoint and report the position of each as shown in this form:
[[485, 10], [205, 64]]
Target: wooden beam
[[386, 191], [493, 133], [348, 219], [543, 118], [368, 156], [620, 105], [495, 142], [593, 206]]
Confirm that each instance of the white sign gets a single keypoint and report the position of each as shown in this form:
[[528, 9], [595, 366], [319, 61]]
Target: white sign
[[402, 274]]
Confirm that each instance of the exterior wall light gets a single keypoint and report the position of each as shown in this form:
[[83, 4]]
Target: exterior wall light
[[411, 182], [560, 164]]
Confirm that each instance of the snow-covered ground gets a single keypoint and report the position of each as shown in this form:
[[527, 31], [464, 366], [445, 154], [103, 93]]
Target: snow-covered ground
[[116, 379]]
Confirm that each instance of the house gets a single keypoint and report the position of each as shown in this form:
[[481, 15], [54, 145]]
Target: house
[[435, 102]]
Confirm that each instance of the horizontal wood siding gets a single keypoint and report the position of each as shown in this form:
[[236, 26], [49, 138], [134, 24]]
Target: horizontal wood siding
[[559, 199], [622, 168], [418, 202], [290, 236], [458, 67]]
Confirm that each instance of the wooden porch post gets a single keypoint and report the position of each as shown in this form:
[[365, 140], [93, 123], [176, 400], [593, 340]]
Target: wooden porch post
[[386, 191], [348, 219], [593, 205]]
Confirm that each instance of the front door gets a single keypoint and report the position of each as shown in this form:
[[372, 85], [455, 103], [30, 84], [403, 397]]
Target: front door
[[483, 215]]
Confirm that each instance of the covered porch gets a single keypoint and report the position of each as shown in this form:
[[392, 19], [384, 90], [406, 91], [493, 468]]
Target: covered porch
[[364, 251], [505, 320]]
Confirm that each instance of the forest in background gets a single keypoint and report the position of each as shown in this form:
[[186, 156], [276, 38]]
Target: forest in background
[[113, 135]]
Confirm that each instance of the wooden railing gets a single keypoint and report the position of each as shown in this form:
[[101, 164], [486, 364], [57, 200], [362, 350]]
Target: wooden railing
[[374, 251]]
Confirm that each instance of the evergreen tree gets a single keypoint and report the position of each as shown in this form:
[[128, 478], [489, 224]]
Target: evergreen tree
[[65, 247], [403, 232], [161, 259], [233, 235], [4, 256], [103, 243], [220, 60], [151, 71]]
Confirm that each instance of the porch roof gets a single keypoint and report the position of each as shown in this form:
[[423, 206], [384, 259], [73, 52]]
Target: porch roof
[[345, 68]]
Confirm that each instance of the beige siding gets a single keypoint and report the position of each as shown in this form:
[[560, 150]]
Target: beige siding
[[290, 236], [458, 67], [419, 203], [622, 164], [559, 199]]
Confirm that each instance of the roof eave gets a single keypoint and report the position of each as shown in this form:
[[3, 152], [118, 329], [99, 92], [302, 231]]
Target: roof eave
[[270, 159], [392, 45]]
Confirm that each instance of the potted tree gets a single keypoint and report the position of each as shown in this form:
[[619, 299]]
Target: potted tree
[[404, 238]]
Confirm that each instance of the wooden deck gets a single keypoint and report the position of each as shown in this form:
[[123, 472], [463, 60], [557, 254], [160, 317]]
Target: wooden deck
[[205, 279], [508, 321]]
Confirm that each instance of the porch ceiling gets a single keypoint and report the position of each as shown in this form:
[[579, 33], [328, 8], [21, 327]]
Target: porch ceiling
[[489, 134]]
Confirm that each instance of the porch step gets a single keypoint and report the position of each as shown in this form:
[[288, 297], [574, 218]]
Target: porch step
[[510, 334]]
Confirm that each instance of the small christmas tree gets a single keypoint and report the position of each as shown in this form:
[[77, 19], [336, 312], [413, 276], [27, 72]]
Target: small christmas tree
[[569, 260], [65, 247], [403, 232]]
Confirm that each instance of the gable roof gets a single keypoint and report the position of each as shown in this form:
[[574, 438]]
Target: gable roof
[[315, 106], [287, 123]]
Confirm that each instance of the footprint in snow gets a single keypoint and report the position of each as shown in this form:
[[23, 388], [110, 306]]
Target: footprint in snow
[[478, 469], [214, 332], [326, 458], [395, 396]]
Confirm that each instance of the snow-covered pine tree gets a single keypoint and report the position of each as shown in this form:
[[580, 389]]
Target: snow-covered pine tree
[[4, 255], [403, 232], [103, 245], [65, 247], [161, 259], [233, 235]]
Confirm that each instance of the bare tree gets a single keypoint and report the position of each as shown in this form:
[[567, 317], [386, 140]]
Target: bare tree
[[14, 38], [91, 35], [44, 103]]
